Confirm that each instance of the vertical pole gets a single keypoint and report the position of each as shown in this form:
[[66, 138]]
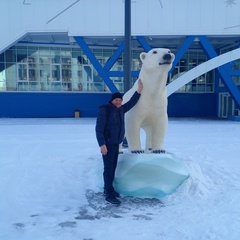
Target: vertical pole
[[127, 50]]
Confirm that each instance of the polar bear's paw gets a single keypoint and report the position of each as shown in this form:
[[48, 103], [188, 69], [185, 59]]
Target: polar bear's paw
[[137, 151], [159, 151]]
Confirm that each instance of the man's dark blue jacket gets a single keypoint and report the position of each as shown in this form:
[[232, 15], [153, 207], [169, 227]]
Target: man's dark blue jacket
[[110, 122]]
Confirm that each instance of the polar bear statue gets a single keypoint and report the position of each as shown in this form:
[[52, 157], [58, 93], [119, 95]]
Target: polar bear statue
[[150, 112]]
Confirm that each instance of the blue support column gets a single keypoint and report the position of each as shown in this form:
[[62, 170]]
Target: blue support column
[[222, 71], [127, 50], [121, 73], [102, 72]]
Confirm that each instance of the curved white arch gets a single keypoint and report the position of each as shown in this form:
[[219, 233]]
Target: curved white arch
[[201, 69]]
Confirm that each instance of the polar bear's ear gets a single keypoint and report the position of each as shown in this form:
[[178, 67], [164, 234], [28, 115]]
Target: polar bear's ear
[[142, 56]]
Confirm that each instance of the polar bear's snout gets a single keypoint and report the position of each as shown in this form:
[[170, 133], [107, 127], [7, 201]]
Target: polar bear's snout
[[167, 59]]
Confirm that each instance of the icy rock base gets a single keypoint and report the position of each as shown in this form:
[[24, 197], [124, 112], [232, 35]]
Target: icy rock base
[[149, 175]]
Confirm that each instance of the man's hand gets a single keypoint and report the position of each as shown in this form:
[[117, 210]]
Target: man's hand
[[103, 149], [140, 86]]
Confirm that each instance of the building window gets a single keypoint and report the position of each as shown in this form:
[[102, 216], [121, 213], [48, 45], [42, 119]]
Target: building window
[[55, 68], [51, 68], [234, 67], [203, 83]]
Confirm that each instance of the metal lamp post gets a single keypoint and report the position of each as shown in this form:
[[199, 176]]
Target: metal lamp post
[[127, 50]]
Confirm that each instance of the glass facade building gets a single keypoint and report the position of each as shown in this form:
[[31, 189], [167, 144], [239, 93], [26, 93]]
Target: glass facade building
[[41, 68], [68, 69]]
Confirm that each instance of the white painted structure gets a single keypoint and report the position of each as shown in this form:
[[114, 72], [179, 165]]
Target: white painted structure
[[106, 18], [201, 69]]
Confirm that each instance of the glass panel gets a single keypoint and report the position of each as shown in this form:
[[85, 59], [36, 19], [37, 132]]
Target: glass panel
[[2, 77], [22, 86], [183, 65], [33, 55], [67, 86], [236, 65], [45, 77], [209, 87], [44, 55], [66, 73], [118, 66], [22, 55], [136, 64], [56, 72], [55, 86], [98, 82], [99, 87], [82, 59], [201, 88], [55, 55], [22, 72], [107, 53], [33, 73], [11, 55], [209, 77], [2, 85], [11, 76], [75, 57], [66, 60], [118, 81], [66, 56], [87, 78], [11, 86], [77, 78], [34, 86], [2, 57], [236, 80]]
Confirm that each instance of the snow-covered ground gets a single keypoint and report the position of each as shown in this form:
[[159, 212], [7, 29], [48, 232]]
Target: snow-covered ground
[[49, 184]]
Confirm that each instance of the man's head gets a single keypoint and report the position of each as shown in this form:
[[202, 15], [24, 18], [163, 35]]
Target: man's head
[[116, 99]]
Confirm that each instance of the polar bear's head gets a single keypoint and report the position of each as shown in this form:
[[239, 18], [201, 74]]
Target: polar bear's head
[[157, 58]]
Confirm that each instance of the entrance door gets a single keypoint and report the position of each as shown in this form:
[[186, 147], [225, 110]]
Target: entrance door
[[226, 105]]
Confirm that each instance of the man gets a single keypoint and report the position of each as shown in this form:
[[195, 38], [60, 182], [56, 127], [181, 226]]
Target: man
[[110, 133]]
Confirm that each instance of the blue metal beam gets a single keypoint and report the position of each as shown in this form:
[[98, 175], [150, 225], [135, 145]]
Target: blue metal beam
[[121, 73], [102, 72], [111, 61], [182, 50], [144, 43], [127, 50], [223, 73]]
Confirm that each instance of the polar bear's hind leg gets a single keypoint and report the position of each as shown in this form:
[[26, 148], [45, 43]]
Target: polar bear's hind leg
[[148, 142], [133, 138], [159, 134]]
